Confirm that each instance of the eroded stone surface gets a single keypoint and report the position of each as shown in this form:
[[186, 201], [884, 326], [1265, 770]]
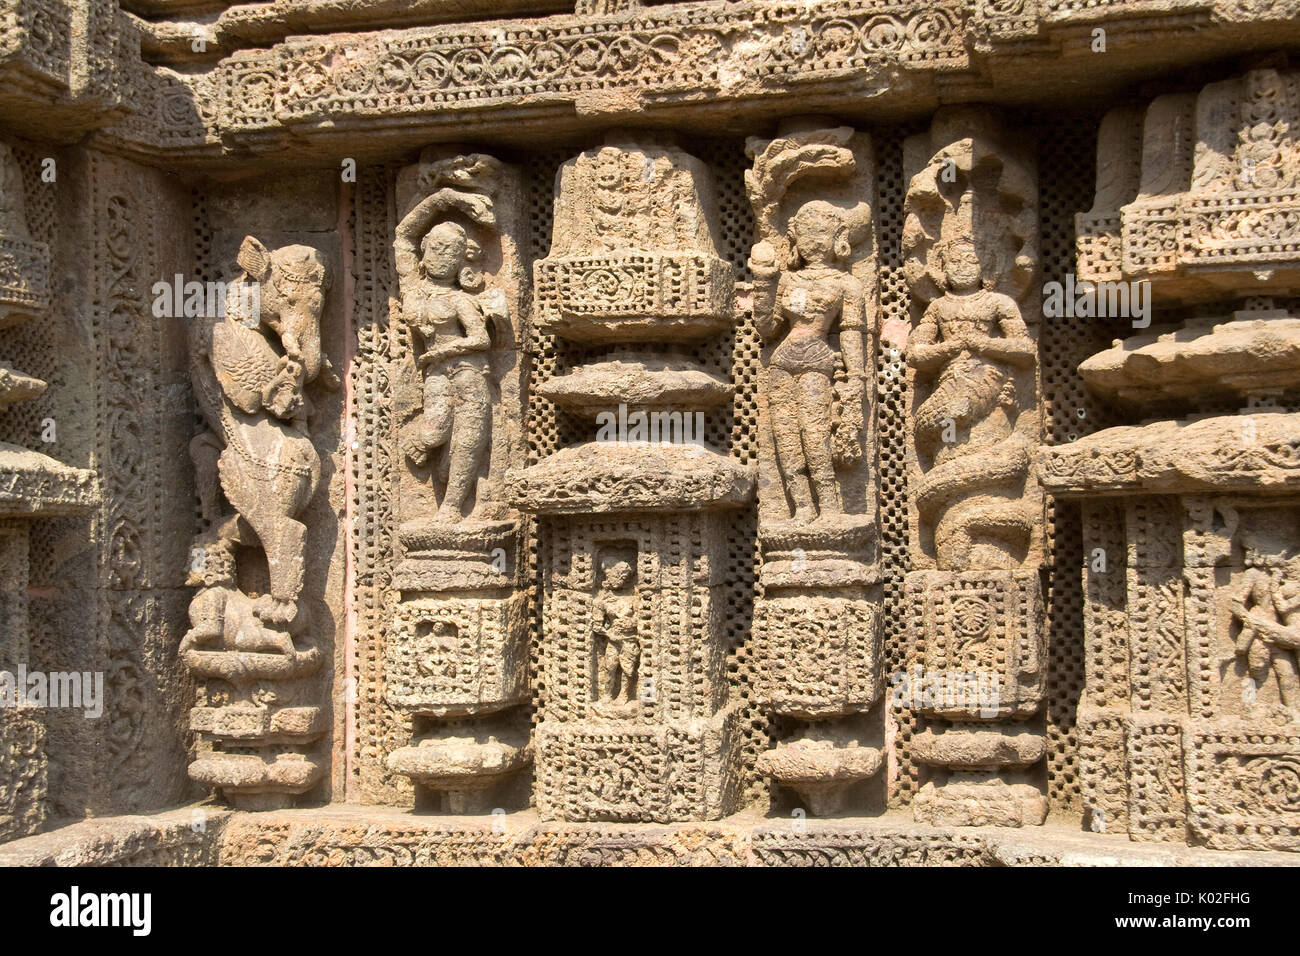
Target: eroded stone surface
[[653, 422], [377, 836], [1188, 718]]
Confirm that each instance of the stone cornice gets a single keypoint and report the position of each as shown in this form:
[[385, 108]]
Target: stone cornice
[[64, 65], [1257, 453], [33, 485], [707, 67]]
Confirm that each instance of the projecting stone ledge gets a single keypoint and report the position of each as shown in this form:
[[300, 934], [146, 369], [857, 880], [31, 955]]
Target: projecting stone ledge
[[33, 485], [257, 781], [1256, 451], [371, 836], [978, 749], [380, 89], [649, 384], [602, 477], [1252, 353], [465, 767], [17, 387]]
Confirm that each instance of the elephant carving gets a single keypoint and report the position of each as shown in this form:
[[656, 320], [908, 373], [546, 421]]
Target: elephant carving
[[250, 368]]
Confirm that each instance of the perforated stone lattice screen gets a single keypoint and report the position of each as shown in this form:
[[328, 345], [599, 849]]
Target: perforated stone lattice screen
[[1067, 171], [891, 424], [734, 357], [31, 346]]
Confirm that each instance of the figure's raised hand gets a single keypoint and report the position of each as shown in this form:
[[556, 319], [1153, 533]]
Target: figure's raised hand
[[762, 261], [282, 396]]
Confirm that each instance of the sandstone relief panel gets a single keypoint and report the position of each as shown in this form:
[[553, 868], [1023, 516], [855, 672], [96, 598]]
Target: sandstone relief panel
[[635, 723], [253, 638], [457, 656], [615, 431], [971, 238], [817, 619]]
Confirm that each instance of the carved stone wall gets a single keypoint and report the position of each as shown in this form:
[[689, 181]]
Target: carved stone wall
[[636, 722], [268, 619], [135, 577], [630, 421], [456, 659], [1187, 715], [816, 306]]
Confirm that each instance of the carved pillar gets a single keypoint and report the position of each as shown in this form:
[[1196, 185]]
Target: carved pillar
[[1189, 724], [457, 656], [817, 621], [974, 594], [636, 720], [257, 640], [32, 485]]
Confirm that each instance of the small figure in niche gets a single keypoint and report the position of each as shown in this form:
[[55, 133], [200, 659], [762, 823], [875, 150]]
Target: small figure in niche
[[618, 654], [1268, 608]]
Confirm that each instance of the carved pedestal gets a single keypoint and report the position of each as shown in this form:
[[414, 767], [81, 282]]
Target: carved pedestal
[[22, 753], [980, 642], [257, 715], [22, 772], [457, 662], [636, 722], [1189, 727], [820, 668]]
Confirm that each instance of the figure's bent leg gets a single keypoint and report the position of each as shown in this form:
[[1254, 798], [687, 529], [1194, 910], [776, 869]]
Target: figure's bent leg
[[430, 431], [1288, 678], [205, 451], [815, 396], [781, 401], [284, 542], [267, 511], [629, 656], [469, 440], [607, 682]]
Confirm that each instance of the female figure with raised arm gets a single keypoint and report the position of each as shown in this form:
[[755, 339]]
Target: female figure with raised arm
[[447, 325]]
